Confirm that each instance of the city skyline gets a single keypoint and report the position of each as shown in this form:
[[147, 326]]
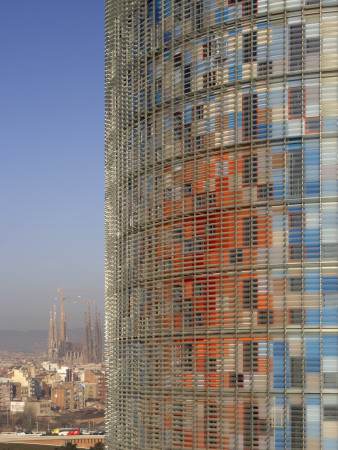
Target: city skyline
[[52, 162]]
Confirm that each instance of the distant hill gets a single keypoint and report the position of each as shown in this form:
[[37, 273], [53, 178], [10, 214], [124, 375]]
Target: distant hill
[[34, 341]]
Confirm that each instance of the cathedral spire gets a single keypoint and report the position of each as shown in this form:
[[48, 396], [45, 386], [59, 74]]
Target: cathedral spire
[[55, 326], [85, 355], [50, 334]]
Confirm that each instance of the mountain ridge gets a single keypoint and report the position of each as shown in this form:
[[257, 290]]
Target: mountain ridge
[[31, 341]]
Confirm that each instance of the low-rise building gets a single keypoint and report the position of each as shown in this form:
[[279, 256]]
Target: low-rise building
[[68, 396]]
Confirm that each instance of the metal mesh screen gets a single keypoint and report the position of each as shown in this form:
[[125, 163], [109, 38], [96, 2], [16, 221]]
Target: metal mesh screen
[[221, 224]]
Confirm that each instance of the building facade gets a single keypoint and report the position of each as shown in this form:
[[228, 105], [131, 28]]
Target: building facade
[[6, 396], [221, 224]]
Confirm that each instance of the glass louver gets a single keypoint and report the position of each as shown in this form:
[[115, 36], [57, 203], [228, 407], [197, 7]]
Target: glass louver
[[221, 224]]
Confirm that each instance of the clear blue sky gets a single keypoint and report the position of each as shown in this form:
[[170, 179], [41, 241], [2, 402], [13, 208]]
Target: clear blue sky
[[52, 157]]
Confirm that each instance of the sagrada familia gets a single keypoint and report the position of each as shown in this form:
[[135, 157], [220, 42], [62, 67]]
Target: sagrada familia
[[62, 350]]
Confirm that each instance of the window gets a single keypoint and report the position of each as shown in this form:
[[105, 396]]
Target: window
[[177, 126], [209, 79], [187, 138], [188, 357], [210, 228], [187, 78], [330, 380], [250, 234], [211, 436], [250, 293], [188, 247], [296, 252], [331, 412], [297, 426], [295, 103], [235, 255], [200, 201], [295, 46], [251, 425], [209, 49], [177, 291], [264, 68], [177, 306], [249, 114], [312, 124], [188, 9], [265, 192], [177, 234], [295, 220], [211, 365], [187, 312], [199, 290], [199, 322], [296, 316], [296, 371], [199, 14], [249, 7], [178, 59], [236, 379], [250, 356], [295, 173], [250, 169], [199, 142], [249, 47], [187, 189], [150, 133], [265, 317], [158, 85], [199, 245], [177, 12], [199, 112], [211, 199], [296, 284], [313, 45]]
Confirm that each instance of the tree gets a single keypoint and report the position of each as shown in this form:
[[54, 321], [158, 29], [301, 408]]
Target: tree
[[97, 446], [68, 446]]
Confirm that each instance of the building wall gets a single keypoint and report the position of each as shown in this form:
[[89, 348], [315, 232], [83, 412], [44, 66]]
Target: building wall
[[221, 224], [6, 394]]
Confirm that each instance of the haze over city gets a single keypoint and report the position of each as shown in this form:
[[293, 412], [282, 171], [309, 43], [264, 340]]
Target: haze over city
[[52, 158]]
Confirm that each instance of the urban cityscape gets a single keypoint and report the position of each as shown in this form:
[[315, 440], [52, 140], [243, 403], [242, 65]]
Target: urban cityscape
[[63, 388], [221, 240]]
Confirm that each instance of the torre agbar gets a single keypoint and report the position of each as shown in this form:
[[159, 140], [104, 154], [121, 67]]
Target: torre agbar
[[222, 224]]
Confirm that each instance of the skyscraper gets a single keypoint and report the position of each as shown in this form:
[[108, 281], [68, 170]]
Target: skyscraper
[[221, 224]]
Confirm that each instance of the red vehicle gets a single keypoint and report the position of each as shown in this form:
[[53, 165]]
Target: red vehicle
[[69, 431], [74, 432]]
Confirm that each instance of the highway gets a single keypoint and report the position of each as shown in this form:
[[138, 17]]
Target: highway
[[82, 441]]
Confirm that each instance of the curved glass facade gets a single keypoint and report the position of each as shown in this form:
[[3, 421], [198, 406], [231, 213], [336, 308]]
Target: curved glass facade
[[222, 224]]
